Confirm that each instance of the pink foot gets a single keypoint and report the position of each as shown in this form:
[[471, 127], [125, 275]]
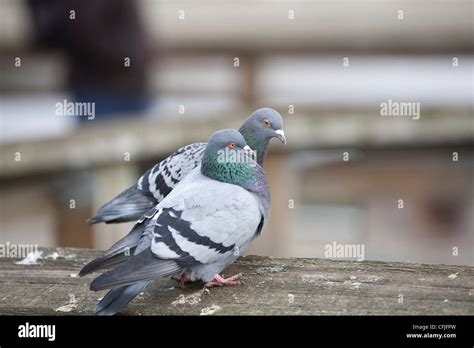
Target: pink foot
[[219, 281], [182, 279]]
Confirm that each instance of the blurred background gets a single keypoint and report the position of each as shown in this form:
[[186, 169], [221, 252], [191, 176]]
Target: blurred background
[[163, 74]]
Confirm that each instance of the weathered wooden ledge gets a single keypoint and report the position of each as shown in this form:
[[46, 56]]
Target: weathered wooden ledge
[[273, 286]]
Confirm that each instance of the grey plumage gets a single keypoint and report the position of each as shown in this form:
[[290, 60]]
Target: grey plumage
[[118, 298], [127, 206], [122, 249], [157, 182], [200, 228], [142, 266]]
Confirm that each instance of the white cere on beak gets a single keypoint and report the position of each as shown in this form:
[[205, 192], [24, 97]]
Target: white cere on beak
[[281, 135]]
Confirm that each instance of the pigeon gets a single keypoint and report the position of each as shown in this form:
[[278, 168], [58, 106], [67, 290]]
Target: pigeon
[[157, 182], [196, 231]]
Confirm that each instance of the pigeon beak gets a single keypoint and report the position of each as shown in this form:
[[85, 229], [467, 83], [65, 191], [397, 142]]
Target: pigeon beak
[[281, 135]]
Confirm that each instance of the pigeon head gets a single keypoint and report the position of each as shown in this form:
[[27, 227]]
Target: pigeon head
[[226, 140], [263, 125], [229, 159]]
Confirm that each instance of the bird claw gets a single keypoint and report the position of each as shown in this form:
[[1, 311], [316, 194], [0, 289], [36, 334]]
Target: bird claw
[[220, 281], [182, 279]]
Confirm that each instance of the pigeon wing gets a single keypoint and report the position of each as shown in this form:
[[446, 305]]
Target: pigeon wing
[[152, 187]]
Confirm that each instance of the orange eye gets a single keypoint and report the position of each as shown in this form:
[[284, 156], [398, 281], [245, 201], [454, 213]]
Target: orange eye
[[266, 123], [232, 145]]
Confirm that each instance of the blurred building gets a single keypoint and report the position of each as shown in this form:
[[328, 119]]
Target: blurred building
[[355, 170]]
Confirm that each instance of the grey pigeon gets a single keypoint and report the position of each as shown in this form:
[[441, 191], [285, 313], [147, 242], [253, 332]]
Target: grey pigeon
[[157, 182], [199, 229]]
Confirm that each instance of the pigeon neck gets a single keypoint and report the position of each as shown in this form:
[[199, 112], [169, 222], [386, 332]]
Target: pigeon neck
[[248, 175], [256, 143]]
